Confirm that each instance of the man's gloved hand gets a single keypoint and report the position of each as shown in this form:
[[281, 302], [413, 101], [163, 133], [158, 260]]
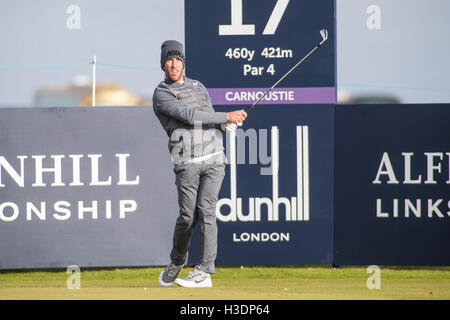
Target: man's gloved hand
[[228, 126]]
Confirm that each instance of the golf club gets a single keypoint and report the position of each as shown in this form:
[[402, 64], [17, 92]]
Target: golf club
[[324, 34]]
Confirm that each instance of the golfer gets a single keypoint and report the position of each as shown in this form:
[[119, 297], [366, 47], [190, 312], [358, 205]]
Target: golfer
[[184, 109]]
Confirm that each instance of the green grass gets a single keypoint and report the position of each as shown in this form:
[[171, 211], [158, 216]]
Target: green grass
[[232, 283]]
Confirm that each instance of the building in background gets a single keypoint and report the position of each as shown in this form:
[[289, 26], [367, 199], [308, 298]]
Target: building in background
[[79, 93], [347, 97]]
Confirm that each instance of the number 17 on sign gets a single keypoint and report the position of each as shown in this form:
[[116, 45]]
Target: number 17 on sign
[[237, 26]]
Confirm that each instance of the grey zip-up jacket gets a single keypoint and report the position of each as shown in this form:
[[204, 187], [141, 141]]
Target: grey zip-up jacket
[[186, 114]]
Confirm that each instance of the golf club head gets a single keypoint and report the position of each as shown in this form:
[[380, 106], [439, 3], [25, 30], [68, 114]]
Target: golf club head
[[324, 34]]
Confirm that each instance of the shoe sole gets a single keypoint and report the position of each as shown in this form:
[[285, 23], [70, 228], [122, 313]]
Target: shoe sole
[[207, 283]]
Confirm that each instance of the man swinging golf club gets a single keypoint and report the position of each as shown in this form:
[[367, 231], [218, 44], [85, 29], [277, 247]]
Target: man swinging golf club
[[184, 109]]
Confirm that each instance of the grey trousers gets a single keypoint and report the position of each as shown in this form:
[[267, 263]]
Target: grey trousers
[[198, 186]]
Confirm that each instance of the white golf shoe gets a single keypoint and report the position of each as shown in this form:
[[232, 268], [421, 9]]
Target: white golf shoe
[[195, 279]]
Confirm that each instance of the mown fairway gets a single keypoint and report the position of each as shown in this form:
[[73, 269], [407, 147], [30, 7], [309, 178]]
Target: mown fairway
[[232, 283]]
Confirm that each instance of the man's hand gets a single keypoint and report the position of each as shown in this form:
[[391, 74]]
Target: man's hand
[[237, 116]]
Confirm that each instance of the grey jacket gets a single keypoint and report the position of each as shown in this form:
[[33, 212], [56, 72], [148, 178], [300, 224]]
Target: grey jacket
[[186, 114]]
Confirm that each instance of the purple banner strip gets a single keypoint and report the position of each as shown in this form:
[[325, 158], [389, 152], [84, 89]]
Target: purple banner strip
[[239, 96]]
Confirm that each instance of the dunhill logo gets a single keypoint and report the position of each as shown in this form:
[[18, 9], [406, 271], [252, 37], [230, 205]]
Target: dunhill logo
[[18, 176], [61, 209], [296, 208]]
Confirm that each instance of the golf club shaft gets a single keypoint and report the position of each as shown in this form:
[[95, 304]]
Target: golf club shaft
[[283, 77]]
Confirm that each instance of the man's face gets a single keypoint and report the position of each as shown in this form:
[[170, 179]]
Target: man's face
[[173, 68]]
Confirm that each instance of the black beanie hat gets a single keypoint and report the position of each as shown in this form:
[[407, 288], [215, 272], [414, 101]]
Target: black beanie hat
[[171, 49]]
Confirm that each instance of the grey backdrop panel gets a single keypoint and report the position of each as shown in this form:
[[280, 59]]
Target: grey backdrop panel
[[141, 237]]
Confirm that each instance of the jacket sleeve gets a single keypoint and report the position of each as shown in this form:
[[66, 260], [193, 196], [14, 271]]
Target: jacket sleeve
[[165, 102]]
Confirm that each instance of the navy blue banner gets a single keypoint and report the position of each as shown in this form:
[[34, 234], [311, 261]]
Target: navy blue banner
[[276, 201], [77, 186], [392, 187], [84, 186], [275, 206], [233, 44]]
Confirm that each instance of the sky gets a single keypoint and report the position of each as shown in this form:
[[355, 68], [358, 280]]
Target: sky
[[406, 57], [396, 48], [36, 32]]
